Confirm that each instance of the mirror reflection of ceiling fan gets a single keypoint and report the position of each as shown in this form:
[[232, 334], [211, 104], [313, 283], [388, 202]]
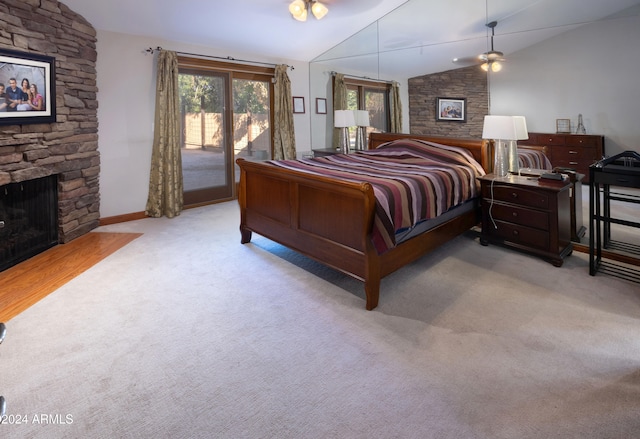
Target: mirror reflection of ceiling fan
[[491, 60]]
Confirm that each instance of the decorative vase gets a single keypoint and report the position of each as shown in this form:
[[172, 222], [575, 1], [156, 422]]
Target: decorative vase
[[580, 129]]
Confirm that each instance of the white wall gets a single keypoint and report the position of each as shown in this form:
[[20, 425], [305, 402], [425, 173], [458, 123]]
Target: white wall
[[592, 70], [126, 100]]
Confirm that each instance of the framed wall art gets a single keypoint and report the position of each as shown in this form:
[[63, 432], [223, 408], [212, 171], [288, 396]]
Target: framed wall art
[[27, 88], [298, 104], [563, 126], [321, 106], [451, 109]]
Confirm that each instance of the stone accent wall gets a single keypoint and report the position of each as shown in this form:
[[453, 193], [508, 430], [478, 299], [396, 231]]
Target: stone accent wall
[[468, 82], [68, 147]]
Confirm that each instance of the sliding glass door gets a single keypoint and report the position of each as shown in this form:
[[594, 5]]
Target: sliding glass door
[[226, 114]]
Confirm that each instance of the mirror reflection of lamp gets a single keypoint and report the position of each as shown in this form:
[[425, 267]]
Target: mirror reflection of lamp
[[344, 119], [362, 122]]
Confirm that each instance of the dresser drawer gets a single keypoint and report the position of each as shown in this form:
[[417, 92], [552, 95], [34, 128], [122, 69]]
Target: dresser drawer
[[522, 235], [516, 195], [589, 154], [550, 139], [519, 215], [578, 140]]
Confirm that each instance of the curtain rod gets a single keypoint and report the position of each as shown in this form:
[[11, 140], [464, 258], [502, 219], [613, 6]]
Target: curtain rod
[[151, 50], [363, 77]]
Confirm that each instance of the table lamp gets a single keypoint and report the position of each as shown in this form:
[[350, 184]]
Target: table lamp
[[344, 119], [362, 122], [500, 129]]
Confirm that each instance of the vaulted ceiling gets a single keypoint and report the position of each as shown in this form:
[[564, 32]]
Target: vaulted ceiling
[[411, 33]]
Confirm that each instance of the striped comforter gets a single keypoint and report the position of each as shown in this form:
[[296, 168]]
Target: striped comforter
[[533, 159], [412, 181]]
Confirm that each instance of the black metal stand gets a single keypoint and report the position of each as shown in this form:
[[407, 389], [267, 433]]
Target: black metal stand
[[622, 170]]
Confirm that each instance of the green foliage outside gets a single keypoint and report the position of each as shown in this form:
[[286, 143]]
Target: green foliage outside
[[206, 93]]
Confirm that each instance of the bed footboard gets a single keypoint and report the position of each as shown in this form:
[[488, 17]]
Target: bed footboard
[[325, 219]]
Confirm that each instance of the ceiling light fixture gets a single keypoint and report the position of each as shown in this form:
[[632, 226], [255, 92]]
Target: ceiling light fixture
[[492, 58], [299, 8]]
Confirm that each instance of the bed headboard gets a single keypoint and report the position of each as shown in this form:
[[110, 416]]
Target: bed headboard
[[478, 147]]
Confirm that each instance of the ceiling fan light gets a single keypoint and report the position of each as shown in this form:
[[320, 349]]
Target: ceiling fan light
[[485, 67], [319, 10], [298, 10], [493, 55], [302, 16], [496, 66]]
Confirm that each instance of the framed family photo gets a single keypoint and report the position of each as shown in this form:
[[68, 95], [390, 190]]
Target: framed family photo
[[451, 109], [27, 88]]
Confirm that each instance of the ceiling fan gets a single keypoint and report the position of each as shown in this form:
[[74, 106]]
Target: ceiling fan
[[491, 60]]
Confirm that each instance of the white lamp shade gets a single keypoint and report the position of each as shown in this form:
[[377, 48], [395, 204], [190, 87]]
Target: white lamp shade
[[521, 127], [362, 118], [343, 118], [499, 127]]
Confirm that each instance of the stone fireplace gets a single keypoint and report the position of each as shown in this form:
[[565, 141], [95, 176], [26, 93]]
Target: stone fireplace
[[68, 148]]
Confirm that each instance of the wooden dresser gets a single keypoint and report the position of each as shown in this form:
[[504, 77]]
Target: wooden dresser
[[573, 151], [528, 214]]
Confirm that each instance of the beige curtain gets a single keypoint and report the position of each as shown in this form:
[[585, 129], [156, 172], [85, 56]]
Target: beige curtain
[[165, 182], [284, 140], [339, 103], [396, 108]]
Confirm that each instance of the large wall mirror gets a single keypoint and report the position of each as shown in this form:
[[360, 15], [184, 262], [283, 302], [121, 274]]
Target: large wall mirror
[[558, 54]]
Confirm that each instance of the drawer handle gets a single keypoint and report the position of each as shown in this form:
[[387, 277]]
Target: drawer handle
[[515, 214], [573, 163], [515, 233], [514, 195], [573, 152]]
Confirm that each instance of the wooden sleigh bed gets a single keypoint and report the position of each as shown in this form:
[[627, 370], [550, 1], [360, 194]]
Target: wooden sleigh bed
[[331, 220]]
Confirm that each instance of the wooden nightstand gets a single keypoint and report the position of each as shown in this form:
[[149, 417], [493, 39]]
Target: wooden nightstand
[[527, 214]]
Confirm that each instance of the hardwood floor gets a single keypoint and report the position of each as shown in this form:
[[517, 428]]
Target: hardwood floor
[[30, 281]]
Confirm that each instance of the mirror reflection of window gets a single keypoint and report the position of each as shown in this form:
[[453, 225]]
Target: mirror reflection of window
[[373, 97]]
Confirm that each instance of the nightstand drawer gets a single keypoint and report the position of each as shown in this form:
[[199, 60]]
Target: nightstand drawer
[[516, 195], [522, 235], [519, 215]]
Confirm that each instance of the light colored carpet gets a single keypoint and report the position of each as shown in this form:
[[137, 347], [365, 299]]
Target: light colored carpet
[[186, 333]]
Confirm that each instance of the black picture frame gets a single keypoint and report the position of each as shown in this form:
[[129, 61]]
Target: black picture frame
[[321, 106], [451, 109], [39, 70]]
